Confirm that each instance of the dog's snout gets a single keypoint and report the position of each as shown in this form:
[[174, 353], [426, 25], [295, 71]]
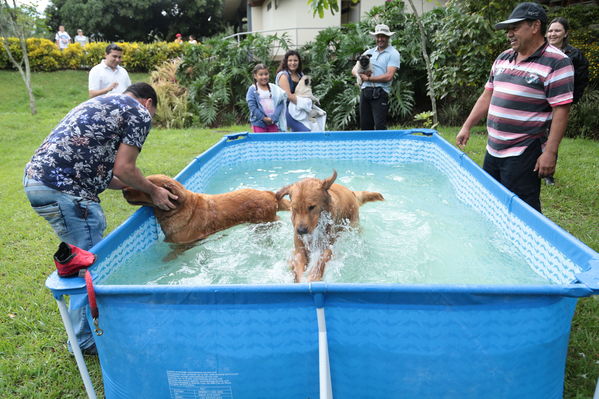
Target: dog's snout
[[302, 229]]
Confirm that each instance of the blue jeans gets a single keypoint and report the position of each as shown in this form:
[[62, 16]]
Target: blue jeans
[[76, 221]]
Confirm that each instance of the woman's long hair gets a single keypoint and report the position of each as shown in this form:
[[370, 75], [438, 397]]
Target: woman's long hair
[[283, 66], [566, 26]]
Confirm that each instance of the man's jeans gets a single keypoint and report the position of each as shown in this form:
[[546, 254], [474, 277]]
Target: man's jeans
[[76, 221]]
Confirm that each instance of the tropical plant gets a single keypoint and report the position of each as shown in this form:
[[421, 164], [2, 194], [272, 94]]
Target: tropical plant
[[460, 61], [583, 120], [218, 74], [330, 59], [425, 119], [172, 110]]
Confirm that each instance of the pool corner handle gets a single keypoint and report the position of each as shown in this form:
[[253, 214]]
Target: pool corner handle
[[423, 131], [590, 277], [236, 136]]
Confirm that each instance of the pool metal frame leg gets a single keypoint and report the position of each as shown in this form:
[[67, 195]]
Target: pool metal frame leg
[[326, 389], [66, 320], [324, 368]]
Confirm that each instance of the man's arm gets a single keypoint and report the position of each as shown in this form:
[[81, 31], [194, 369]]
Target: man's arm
[[95, 84], [545, 165], [386, 77], [95, 93], [127, 173], [116, 184], [479, 111]]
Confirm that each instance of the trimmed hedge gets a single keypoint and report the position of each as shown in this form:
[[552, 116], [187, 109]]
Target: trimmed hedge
[[45, 56]]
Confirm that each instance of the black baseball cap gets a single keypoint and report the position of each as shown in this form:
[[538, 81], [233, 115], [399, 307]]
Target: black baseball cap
[[524, 11]]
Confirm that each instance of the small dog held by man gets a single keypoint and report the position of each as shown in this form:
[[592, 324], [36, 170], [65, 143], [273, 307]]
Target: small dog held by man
[[312, 200], [363, 66]]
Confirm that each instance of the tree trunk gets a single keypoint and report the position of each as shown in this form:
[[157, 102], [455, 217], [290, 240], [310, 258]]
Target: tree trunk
[[26, 72], [429, 69]]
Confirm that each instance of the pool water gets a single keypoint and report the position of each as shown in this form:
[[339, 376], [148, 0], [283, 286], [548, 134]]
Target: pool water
[[420, 234]]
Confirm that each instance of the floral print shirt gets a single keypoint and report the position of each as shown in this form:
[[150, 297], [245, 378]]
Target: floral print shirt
[[77, 158]]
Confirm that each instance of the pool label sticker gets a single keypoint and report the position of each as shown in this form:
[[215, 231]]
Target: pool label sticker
[[200, 384]]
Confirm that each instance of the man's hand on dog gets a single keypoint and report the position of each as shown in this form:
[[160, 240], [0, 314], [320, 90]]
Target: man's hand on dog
[[162, 198], [365, 76]]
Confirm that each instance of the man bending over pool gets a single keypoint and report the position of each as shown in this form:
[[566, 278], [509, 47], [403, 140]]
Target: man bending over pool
[[93, 148]]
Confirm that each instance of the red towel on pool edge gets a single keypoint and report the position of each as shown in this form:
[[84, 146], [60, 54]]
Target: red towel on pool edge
[[69, 259]]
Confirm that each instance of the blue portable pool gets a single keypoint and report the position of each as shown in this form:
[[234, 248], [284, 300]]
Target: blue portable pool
[[343, 340]]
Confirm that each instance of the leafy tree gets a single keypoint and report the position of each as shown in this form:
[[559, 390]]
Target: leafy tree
[[137, 20], [14, 23], [427, 61]]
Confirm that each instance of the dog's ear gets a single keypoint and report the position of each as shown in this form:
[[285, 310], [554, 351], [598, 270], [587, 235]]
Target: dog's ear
[[307, 81], [369, 55], [327, 183], [283, 192]]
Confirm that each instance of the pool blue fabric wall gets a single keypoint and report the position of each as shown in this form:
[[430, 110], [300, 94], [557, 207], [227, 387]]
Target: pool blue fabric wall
[[262, 343], [385, 341]]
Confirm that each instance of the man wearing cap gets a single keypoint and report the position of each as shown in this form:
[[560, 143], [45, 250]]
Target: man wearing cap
[[375, 88], [526, 101], [109, 76]]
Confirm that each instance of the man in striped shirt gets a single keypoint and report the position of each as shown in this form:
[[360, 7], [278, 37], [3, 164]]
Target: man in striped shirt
[[526, 101]]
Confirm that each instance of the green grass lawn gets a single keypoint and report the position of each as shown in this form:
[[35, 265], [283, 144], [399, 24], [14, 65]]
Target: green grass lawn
[[34, 362]]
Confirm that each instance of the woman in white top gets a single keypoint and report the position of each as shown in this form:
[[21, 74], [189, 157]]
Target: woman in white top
[[288, 76]]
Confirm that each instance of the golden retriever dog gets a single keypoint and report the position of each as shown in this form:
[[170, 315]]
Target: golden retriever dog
[[197, 216], [312, 200]]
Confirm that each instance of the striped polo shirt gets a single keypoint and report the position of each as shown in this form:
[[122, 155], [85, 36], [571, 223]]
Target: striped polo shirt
[[523, 96]]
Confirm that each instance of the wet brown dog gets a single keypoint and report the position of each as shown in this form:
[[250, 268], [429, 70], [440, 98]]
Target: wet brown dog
[[310, 199], [199, 215]]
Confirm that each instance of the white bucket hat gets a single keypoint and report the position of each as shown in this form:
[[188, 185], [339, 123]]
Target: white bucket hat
[[382, 29]]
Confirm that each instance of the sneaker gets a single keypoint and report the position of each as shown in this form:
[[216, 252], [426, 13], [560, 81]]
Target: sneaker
[[549, 180], [90, 350], [69, 259]]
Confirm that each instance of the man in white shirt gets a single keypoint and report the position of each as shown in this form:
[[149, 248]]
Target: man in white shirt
[[62, 38], [81, 38], [108, 76]]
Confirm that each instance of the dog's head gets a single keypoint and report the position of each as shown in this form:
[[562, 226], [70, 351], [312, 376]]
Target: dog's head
[[304, 87], [306, 80], [136, 197], [309, 198], [364, 60]]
